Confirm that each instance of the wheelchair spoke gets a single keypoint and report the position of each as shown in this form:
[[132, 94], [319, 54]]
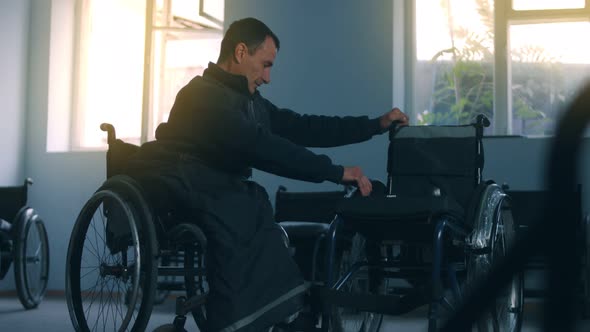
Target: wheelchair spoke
[[104, 305]]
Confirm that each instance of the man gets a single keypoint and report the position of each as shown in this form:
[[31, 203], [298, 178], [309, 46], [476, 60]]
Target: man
[[219, 128]]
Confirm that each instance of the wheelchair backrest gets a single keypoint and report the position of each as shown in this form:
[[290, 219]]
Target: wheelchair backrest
[[12, 199], [118, 153], [435, 160]]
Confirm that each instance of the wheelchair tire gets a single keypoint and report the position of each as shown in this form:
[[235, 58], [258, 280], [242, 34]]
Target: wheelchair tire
[[506, 313], [112, 260], [347, 319], [31, 258]]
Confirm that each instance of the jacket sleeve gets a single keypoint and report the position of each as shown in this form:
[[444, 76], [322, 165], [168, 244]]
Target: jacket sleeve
[[227, 130], [319, 130]]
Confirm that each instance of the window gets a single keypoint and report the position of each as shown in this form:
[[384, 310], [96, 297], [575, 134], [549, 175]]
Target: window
[[129, 68], [520, 62]]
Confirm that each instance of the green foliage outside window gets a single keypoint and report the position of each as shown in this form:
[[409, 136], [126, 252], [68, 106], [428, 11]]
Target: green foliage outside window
[[463, 81]]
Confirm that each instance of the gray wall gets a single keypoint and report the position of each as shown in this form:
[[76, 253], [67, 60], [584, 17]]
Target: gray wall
[[14, 36], [336, 58], [63, 181]]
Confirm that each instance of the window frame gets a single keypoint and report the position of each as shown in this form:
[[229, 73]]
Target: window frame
[[504, 17], [196, 30]]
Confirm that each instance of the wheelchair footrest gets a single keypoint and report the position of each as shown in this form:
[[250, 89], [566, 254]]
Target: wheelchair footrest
[[383, 304]]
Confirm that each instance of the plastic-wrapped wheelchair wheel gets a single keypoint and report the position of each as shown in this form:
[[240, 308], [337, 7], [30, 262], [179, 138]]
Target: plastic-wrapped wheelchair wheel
[[493, 236]]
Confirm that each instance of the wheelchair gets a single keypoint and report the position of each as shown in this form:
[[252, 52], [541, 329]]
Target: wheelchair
[[23, 240], [422, 239], [118, 248]]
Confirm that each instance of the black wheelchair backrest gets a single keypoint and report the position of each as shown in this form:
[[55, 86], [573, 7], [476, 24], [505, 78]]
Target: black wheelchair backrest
[[12, 199], [118, 153], [435, 160]]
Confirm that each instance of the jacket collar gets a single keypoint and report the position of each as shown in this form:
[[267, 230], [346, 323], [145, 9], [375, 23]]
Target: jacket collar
[[238, 83]]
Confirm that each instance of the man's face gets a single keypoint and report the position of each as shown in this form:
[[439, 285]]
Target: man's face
[[256, 67]]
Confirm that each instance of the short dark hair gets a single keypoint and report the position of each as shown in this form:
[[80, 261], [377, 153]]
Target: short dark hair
[[249, 31]]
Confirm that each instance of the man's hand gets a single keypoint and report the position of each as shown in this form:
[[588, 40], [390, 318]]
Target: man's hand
[[395, 115], [355, 174]]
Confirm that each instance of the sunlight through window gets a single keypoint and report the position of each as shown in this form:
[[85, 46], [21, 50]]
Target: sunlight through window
[[546, 70], [455, 63], [110, 80], [110, 75]]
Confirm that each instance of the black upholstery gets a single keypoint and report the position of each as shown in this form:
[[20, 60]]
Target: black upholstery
[[435, 161], [12, 199], [117, 156]]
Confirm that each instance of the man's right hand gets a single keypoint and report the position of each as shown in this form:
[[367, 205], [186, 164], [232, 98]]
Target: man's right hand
[[355, 174]]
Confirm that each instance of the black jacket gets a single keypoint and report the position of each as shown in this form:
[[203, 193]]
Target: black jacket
[[217, 120]]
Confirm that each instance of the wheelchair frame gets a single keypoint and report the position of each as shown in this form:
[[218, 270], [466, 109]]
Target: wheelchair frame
[[23, 240]]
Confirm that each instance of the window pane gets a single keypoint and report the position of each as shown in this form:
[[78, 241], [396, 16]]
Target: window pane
[[454, 65], [178, 57], [546, 4], [110, 72], [214, 8], [548, 66]]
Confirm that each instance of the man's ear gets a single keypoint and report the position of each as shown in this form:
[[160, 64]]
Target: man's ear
[[240, 52]]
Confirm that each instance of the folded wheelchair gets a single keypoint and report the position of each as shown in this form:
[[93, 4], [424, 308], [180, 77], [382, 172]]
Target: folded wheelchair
[[23, 240], [124, 254], [433, 230]]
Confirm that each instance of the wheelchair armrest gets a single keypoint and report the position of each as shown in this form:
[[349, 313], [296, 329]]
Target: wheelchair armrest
[[304, 229], [307, 206]]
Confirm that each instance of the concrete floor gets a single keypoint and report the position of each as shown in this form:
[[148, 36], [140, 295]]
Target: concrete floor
[[52, 315]]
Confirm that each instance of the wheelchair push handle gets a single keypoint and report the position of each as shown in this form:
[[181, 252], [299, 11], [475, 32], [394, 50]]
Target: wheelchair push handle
[[110, 129], [482, 121]]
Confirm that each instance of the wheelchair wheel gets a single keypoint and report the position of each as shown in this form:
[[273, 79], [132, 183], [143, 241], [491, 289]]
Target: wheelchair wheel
[[349, 319], [31, 258], [506, 312], [111, 265]]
